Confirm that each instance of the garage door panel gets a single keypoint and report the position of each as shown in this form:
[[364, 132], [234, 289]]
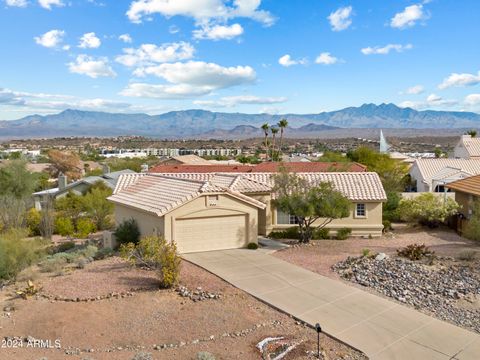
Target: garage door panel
[[212, 233]]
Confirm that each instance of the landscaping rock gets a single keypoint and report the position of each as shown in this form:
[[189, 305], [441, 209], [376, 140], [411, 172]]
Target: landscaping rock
[[438, 289], [196, 295]]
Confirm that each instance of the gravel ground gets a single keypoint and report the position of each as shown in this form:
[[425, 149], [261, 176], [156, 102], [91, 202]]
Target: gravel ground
[[447, 289], [323, 254], [151, 319]]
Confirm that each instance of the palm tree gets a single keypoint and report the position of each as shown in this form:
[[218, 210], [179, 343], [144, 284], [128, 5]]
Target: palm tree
[[282, 124], [274, 131], [265, 127]]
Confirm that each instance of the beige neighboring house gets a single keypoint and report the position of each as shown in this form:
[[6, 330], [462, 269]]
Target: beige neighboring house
[[467, 193], [431, 175], [213, 211], [467, 148], [186, 160]]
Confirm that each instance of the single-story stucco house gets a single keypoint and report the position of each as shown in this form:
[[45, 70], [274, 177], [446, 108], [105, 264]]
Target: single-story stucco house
[[79, 187], [467, 192], [431, 175], [468, 147], [213, 211]]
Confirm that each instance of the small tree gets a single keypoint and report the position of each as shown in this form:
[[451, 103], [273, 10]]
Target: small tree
[[472, 230], [64, 226], [157, 254], [265, 127], [427, 209], [96, 205], [309, 202]]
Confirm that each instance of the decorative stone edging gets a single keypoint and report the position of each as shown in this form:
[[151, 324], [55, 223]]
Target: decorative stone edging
[[113, 295], [196, 295]]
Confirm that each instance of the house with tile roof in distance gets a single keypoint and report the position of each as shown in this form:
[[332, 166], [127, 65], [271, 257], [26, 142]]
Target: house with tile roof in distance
[[267, 167], [185, 160], [204, 211], [467, 148], [431, 175], [467, 192]]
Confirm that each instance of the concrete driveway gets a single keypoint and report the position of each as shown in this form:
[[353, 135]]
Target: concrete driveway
[[382, 329]]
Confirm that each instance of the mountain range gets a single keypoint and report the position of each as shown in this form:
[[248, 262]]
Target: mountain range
[[207, 124]]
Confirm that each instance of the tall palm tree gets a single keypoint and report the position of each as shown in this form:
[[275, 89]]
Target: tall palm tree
[[265, 127], [282, 124], [274, 131]]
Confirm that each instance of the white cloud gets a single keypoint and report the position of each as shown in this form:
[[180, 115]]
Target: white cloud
[[432, 101], [202, 10], [415, 90], [8, 97], [472, 99], [218, 32], [458, 80], [47, 4], [386, 49], [89, 41], [326, 58], [194, 78], [16, 3], [232, 101], [126, 38], [408, 17], [149, 54], [50, 39], [286, 60], [341, 18], [92, 67], [271, 110]]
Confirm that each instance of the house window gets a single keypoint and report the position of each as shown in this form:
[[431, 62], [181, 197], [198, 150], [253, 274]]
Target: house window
[[360, 210], [286, 219], [212, 200]]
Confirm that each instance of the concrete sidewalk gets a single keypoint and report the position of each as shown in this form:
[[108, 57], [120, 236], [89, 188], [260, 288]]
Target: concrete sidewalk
[[382, 329]]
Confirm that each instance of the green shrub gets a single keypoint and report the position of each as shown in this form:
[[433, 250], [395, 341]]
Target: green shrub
[[127, 232], [103, 254], [65, 246], [387, 225], [68, 257], [290, 233], [89, 251], [33, 220], [321, 234], [64, 226], [53, 264], [17, 253], [415, 252], [472, 229], [390, 212], [366, 252], [252, 246], [158, 254], [343, 233], [85, 227]]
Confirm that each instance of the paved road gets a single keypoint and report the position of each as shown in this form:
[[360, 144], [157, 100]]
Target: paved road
[[382, 329]]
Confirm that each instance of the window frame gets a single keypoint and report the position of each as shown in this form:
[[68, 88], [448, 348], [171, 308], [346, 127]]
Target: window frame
[[364, 216]]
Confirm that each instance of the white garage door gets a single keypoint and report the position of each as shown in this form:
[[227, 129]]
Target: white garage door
[[212, 233]]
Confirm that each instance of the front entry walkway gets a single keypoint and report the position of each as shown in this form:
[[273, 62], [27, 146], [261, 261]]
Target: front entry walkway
[[382, 329]]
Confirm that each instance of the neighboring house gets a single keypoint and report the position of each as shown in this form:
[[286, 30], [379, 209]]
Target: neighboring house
[[467, 148], [79, 187], [467, 191], [431, 175], [185, 160], [212, 211], [269, 167]]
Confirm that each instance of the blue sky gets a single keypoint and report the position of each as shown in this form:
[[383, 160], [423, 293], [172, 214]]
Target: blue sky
[[237, 55]]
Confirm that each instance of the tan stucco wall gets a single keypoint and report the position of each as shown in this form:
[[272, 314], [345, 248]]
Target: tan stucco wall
[[226, 205], [465, 201], [148, 224], [370, 225]]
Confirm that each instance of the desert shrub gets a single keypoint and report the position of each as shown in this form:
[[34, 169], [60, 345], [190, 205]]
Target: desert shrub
[[65, 246], [387, 225], [252, 246], [321, 234], [85, 227], [64, 226], [390, 212], [290, 233], [427, 209], [89, 251], [467, 255], [17, 253], [53, 264], [157, 254], [415, 252], [103, 254], [343, 233], [366, 252], [33, 220], [472, 230], [127, 232], [68, 257]]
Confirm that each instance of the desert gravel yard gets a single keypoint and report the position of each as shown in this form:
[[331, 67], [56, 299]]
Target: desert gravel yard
[[109, 310]]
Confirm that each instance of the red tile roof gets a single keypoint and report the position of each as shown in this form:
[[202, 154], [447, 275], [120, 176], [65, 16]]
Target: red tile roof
[[269, 167]]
